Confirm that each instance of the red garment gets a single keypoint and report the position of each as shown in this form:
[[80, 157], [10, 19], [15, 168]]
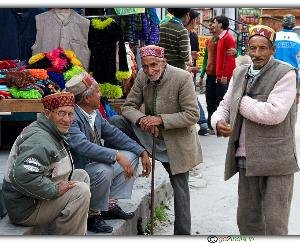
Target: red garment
[[6, 64], [225, 63], [212, 56], [5, 95], [102, 111]]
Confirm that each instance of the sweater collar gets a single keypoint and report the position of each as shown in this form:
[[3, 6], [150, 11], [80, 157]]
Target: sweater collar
[[65, 21], [223, 33]]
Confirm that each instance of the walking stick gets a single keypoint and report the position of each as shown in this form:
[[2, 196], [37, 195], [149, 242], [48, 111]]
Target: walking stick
[[152, 185]]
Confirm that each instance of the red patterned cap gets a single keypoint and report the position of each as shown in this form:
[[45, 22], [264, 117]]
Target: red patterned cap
[[53, 101], [152, 50], [262, 30]]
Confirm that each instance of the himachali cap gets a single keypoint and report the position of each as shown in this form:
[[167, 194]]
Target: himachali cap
[[152, 50], [262, 30], [79, 83], [53, 101]]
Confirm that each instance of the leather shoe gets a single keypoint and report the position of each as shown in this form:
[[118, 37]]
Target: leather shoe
[[117, 213], [96, 224]]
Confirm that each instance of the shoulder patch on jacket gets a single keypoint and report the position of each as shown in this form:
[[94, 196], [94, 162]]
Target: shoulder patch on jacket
[[32, 164]]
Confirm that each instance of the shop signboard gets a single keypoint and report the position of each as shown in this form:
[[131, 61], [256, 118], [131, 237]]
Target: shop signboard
[[202, 45]]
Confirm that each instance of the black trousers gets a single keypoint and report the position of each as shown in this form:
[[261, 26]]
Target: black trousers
[[211, 96]]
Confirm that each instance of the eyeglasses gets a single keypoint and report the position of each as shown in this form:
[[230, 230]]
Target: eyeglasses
[[62, 114]]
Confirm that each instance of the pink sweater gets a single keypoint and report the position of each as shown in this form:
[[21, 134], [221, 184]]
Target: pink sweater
[[271, 112]]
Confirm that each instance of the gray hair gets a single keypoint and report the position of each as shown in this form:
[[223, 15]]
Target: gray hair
[[88, 92]]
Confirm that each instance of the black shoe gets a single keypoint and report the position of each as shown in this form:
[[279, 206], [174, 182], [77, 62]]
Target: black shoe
[[211, 131], [96, 224], [117, 213], [203, 132]]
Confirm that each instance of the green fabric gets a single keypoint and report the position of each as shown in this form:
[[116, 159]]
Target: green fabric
[[127, 11], [204, 63]]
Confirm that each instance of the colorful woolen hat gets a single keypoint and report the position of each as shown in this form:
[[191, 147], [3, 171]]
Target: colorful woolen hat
[[79, 83], [262, 30], [53, 101], [152, 50]]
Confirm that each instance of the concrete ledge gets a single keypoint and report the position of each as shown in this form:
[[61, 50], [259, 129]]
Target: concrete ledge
[[139, 203]]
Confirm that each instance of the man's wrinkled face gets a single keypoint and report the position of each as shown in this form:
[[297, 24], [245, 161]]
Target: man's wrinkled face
[[153, 67], [93, 100], [260, 51], [62, 117]]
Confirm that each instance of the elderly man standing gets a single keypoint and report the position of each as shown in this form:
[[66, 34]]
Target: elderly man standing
[[111, 167], [40, 185], [258, 112], [171, 112]]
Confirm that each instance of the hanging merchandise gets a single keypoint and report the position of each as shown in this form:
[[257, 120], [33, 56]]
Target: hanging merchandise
[[150, 28], [141, 27], [108, 61], [127, 11], [18, 29], [63, 28], [132, 65], [45, 74]]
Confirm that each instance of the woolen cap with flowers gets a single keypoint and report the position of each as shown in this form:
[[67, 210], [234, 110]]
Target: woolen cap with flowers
[[264, 31], [53, 101], [152, 50]]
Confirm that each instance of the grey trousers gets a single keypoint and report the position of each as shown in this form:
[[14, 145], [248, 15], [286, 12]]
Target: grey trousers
[[264, 204], [67, 214], [180, 185], [108, 181]]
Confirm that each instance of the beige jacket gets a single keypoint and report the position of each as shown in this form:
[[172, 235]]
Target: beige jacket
[[176, 103]]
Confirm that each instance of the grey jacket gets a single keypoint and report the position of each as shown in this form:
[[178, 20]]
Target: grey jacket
[[85, 151], [70, 34], [176, 103]]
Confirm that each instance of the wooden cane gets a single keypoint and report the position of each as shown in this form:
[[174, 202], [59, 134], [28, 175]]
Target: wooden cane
[[152, 185]]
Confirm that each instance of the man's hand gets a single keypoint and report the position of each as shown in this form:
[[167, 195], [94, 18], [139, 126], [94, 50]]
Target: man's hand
[[146, 164], [150, 121], [193, 70], [125, 163], [195, 55], [65, 186], [231, 51], [223, 129]]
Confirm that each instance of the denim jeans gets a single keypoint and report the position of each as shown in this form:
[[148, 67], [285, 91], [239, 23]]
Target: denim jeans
[[202, 119]]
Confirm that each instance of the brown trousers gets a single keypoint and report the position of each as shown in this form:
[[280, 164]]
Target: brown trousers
[[264, 204], [67, 214]]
